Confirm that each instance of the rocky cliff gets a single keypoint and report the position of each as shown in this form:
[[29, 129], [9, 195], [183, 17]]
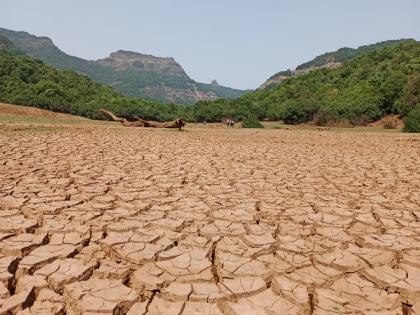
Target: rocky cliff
[[122, 59]]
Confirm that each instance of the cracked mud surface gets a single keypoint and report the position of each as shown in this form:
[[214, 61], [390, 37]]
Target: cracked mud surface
[[101, 220]]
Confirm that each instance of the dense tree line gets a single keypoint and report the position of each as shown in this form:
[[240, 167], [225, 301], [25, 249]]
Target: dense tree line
[[361, 90]]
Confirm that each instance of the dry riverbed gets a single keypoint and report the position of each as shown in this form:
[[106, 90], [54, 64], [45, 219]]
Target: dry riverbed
[[99, 218]]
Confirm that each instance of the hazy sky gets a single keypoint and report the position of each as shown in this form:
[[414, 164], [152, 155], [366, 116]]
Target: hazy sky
[[238, 42]]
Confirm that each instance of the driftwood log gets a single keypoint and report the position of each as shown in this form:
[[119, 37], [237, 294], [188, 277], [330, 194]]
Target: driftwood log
[[139, 122]]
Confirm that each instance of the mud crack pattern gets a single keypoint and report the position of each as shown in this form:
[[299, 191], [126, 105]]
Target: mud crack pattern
[[131, 221]]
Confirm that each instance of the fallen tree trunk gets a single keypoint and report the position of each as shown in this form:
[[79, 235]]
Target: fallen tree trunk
[[138, 122], [111, 115]]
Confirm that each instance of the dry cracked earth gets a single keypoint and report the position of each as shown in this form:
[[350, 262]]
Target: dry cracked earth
[[113, 220]]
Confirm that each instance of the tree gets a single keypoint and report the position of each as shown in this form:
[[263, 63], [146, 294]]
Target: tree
[[412, 121]]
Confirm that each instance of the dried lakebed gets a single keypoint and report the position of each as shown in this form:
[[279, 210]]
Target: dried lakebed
[[101, 220]]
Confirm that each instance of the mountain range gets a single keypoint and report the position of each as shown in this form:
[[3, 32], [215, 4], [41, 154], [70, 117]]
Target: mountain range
[[130, 73]]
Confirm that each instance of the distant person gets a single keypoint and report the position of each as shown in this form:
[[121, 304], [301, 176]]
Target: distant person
[[232, 123]]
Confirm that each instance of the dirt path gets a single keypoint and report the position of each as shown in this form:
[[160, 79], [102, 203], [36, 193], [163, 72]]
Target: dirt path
[[119, 220]]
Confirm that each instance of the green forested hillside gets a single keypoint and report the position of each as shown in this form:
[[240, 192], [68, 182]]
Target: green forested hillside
[[360, 91], [346, 53], [7, 46], [27, 81], [328, 60]]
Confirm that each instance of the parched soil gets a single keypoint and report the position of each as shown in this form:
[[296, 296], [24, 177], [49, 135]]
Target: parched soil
[[8, 109], [392, 121], [114, 220]]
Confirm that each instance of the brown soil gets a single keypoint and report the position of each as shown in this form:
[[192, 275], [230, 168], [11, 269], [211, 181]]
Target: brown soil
[[114, 220], [15, 110], [394, 120]]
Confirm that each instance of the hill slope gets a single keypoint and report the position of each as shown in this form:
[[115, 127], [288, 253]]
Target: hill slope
[[361, 90], [130, 73], [7, 46], [10, 110], [329, 60], [346, 53]]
